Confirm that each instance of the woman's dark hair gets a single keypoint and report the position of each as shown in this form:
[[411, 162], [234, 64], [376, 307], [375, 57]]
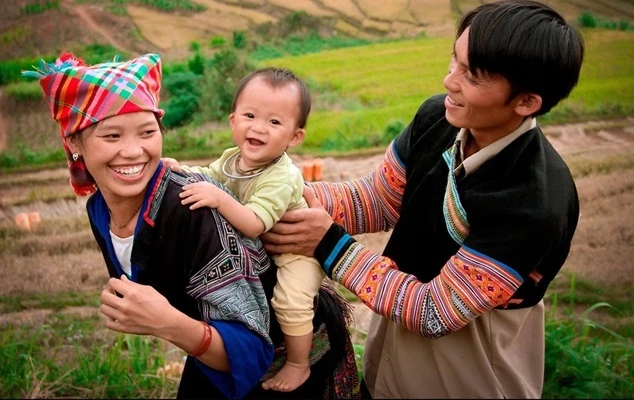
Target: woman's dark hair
[[276, 78], [529, 44]]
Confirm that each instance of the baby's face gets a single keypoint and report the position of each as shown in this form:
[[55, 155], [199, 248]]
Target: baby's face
[[264, 123]]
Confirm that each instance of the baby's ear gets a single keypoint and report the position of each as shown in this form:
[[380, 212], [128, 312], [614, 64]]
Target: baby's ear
[[297, 138]]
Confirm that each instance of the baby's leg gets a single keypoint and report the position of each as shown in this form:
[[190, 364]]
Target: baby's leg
[[296, 370], [298, 281]]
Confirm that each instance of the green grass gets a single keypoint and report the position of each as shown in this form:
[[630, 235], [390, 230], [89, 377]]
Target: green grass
[[25, 90], [69, 359], [46, 301], [61, 354], [585, 358], [298, 45], [65, 355], [117, 7]]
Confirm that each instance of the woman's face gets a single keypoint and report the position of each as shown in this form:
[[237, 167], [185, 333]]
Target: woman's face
[[121, 153]]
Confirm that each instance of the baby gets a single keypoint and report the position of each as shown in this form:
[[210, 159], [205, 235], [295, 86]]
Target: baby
[[268, 116]]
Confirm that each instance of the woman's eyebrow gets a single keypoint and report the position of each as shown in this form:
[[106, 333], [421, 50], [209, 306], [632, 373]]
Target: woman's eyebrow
[[144, 125]]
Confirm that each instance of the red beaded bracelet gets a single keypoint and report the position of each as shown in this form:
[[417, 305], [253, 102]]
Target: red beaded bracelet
[[204, 345]]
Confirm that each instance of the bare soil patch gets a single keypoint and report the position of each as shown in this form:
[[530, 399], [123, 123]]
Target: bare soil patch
[[76, 23], [85, 14], [601, 253], [60, 256]]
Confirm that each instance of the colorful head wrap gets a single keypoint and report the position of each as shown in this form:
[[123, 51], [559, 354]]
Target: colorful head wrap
[[80, 95]]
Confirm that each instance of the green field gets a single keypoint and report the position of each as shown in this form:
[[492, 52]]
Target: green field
[[391, 80], [365, 95]]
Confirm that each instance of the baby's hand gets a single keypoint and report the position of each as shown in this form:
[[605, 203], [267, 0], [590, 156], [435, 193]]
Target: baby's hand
[[172, 164], [202, 194]]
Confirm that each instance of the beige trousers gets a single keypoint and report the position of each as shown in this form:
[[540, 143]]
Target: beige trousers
[[500, 354], [298, 281]]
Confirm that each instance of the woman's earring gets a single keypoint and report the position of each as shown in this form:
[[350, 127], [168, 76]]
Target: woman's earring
[[75, 156]]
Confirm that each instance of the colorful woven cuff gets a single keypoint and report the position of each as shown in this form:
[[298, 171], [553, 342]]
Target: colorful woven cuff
[[332, 246]]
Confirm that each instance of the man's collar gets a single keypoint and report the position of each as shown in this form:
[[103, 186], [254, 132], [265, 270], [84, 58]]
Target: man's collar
[[473, 162]]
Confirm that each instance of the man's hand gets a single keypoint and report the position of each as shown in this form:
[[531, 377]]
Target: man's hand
[[299, 231], [202, 194]]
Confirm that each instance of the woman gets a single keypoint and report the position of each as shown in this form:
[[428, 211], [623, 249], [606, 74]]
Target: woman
[[182, 276]]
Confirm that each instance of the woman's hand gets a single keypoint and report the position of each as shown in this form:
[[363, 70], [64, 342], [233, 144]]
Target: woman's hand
[[299, 231], [141, 310]]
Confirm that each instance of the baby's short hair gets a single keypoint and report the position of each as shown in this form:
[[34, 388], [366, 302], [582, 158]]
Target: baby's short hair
[[278, 77]]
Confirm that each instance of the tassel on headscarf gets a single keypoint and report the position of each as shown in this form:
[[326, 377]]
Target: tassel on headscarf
[[65, 60]]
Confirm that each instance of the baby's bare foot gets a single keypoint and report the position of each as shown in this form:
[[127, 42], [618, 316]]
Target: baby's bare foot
[[289, 378]]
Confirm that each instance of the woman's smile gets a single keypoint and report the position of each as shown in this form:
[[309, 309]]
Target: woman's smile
[[132, 171]]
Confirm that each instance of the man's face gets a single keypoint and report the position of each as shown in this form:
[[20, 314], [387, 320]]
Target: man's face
[[478, 103]]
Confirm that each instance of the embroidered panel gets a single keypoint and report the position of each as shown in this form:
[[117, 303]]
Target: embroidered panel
[[227, 286], [455, 214]]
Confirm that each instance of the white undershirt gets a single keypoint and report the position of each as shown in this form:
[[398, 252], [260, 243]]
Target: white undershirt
[[123, 251]]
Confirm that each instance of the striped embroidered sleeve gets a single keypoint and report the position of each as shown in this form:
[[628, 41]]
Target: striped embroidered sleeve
[[368, 204], [468, 285]]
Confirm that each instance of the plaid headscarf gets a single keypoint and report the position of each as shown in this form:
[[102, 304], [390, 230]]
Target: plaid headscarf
[[81, 95]]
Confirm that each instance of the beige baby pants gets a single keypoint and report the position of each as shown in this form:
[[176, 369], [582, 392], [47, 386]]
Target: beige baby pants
[[298, 281]]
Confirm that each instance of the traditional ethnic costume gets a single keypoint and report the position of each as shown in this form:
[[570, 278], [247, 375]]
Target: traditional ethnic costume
[[206, 270], [196, 259], [458, 290]]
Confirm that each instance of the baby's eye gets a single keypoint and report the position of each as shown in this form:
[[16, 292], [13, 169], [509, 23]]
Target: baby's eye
[[275, 122], [249, 115]]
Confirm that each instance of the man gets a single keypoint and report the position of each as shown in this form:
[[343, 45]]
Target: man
[[483, 212]]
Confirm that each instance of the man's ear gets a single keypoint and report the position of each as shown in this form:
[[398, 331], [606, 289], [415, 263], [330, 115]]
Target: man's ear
[[298, 137], [528, 104]]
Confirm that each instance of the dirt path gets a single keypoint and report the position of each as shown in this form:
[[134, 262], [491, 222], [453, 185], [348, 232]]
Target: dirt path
[[81, 12]]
